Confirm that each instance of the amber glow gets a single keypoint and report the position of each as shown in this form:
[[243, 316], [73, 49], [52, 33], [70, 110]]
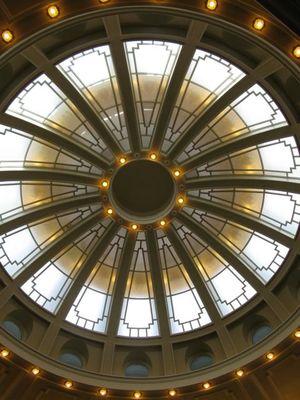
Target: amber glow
[[297, 334], [103, 392], [134, 227], [109, 211], [172, 392], [153, 156], [180, 200], [53, 11], [296, 51], [176, 173], [4, 353], [211, 4], [7, 36], [240, 372], [258, 24], [206, 385], [68, 384], [137, 395], [104, 184], [104, 1], [122, 160], [270, 356], [162, 222], [35, 371]]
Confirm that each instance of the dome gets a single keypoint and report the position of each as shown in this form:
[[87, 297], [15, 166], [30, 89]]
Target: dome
[[149, 186]]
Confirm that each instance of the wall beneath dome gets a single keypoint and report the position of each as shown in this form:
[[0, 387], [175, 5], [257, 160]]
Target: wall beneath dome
[[269, 380]]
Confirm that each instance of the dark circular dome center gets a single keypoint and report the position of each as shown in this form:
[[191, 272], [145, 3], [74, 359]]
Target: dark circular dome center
[[143, 188]]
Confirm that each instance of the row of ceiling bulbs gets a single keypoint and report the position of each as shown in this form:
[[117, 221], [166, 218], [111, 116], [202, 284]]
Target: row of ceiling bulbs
[[53, 11], [137, 394]]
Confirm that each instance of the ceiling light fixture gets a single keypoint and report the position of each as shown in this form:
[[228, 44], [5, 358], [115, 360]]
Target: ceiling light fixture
[[180, 200], [211, 4], [240, 372], [258, 24], [4, 353], [103, 392], [153, 156], [172, 392], [176, 173], [270, 356], [53, 11], [104, 1], [162, 222], [137, 395], [122, 160], [206, 385], [297, 334], [68, 384], [7, 36], [35, 371], [296, 51], [134, 227], [109, 211], [104, 184]]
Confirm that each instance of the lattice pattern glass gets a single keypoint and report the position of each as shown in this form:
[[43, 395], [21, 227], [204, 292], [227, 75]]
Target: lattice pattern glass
[[93, 74], [207, 79], [151, 65], [185, 307], [138, 316], [98, 289]]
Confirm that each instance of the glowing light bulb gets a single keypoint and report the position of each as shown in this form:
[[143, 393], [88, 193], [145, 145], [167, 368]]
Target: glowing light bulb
[[104, 184], [206, 385], [4, 353], [162, 222], [104, 1], [176, 173], [103, 392], [122, 160], [134, 227], [68, 384], [297, 334], [7, 36], [240, 372], [180, 200], [137, 395], [212, 4], [270, 356], [109, 211], [258, 24], [172, 392], [296, 51], [153, 156], [53, 11], [35, 371]]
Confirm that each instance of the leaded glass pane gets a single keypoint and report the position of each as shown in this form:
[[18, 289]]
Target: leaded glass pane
[[98, 289], [207, 79], [55, 111], [138, 316], [185, 308], [262, 255], [278, 158], [34, 237], [93, 73], [151, 64], [253, 112], [280, 209], [227, 287], [49, 286], [20, 150]]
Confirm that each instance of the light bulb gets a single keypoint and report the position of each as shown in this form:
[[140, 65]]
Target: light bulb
[[7, 36], [258, 24], [53, 11]]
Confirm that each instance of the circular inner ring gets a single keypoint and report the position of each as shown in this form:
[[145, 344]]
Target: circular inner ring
[[142, 189]]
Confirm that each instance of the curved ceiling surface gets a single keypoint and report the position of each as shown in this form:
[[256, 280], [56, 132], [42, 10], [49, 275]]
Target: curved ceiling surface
[[228, 227]]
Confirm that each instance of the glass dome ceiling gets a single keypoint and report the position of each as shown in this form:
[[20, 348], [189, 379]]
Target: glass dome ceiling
[[219, 249]]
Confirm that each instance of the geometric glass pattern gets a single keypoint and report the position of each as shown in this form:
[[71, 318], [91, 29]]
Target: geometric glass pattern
[[240, 176]]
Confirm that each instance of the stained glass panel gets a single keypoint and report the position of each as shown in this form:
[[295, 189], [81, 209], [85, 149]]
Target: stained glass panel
[[138, 316]]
